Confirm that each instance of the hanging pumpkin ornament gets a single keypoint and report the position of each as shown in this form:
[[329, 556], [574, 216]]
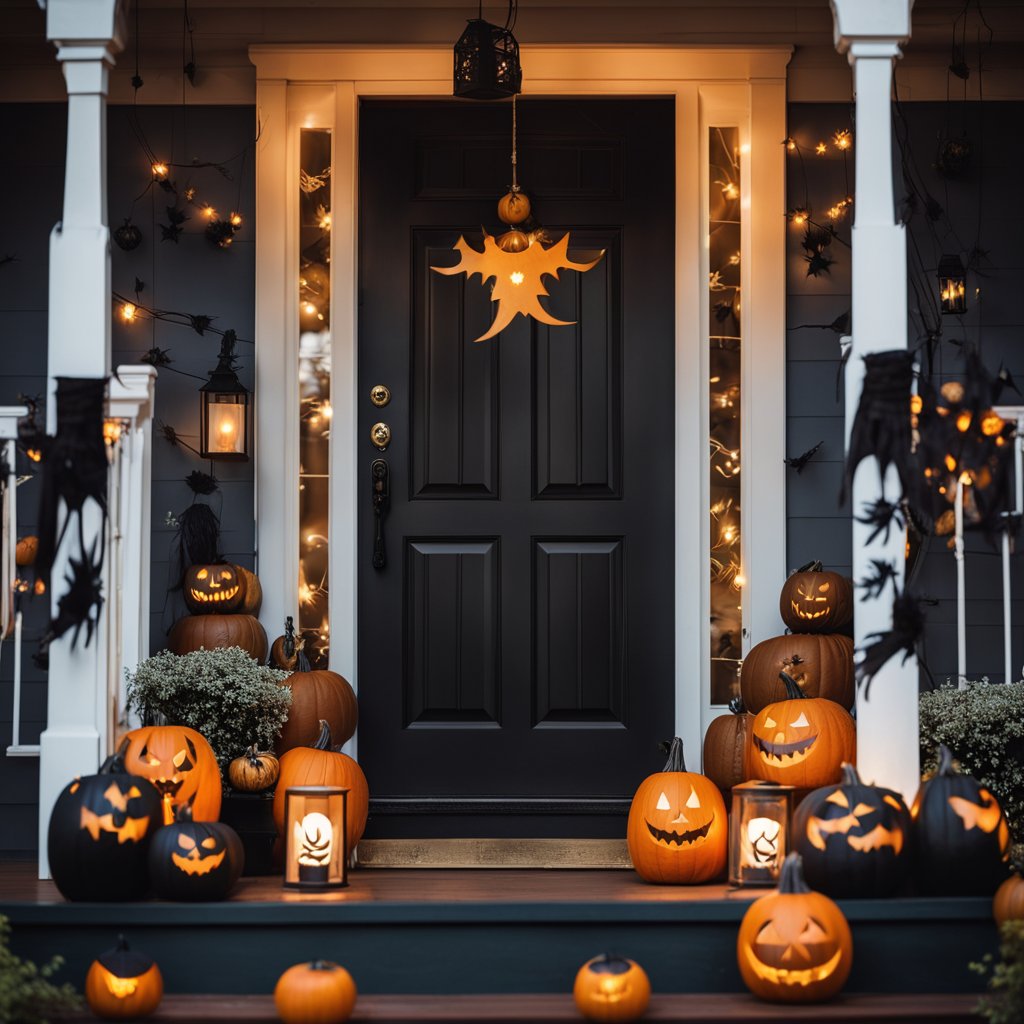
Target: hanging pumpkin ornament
[[123, 983], [677, 828], [802, 741], [254, 771], [317, 695], [814, 601], [725, 746], [127, 236], [195, 860], [821, 664], [794, 945], [517, 261], [100, 830], [854, 838], [961, 838], [611, 988], [1008, 904], [320, 992]]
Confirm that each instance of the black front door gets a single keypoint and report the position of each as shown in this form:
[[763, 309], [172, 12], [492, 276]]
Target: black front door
[[516, 648]]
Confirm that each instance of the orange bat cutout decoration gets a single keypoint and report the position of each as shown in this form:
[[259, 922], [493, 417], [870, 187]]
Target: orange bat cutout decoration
[[133, 829], [517, 277]]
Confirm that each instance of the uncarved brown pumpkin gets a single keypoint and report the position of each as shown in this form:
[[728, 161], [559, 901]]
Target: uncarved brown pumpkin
[[317, 695], [253, 591], [1008, 904], [821, 664], [725, 746], [514, 207], [254, 771], [816, 601], [196, 632]]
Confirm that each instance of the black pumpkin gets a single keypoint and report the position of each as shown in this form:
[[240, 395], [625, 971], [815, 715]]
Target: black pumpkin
[[100, 831], [961, 838], [854, 838], [127, 236], [195, 860]]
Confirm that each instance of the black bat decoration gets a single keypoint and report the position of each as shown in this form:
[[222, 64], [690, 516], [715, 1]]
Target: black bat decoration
[[882, 515], [1004, 379], [815, 243], [882, 573], [157, 357], [799, 462], [200, 482], [908, 622]]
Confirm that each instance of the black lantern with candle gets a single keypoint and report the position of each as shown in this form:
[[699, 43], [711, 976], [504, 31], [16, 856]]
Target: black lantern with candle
[[758, 832], [952, 285], [487, 60], [316, 856], [224, 409]]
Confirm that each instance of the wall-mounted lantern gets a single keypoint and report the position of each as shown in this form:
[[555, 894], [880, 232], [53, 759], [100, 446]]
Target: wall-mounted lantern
[[224, 409], [952, 285]]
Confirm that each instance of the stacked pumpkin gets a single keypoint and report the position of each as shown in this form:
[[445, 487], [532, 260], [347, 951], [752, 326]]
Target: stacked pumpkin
[[223, 600]]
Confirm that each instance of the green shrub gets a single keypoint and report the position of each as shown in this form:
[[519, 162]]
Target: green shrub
[[223, 693], [984, 727], [27, 996], [1005, 1004]]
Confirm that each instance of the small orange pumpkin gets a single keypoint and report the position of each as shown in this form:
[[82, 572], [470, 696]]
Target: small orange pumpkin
[[725, 746], [611, 988], [180, 764], [821, 664], [813, 601], [123, 983], [319, 992], [254, 771], [25, 551], [677, 828], [514, 207], [513, 241], [196, 632], [802, 741], [794, 945], [1008, 903], [252, 590], [320, 765], [317, 695]]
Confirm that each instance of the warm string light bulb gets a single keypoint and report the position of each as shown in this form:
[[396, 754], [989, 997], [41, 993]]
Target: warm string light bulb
[[235, 219], [129, 311], [821, 149], [209, 213], [160, 171], [799, 216], [790, 145], [843, 139], [730, 189]]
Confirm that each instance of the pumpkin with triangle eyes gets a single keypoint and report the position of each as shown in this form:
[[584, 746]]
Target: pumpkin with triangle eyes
[[677, 830], [100, 830], [213, 588], [611, 988], [181, 765], [854, 838], [794, 945], [195, 860], [802, 741], [962, 841], [813, 601]]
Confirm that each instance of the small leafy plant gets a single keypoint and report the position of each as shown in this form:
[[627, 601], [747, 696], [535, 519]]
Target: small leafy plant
[[222, 693], [27, 996], [1005, 1002]]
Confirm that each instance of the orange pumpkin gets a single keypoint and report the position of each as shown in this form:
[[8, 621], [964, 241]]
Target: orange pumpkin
[[611, 988], [180, 764], [802, 741], [254, 771], [123, 983], [514, 207], [1008, 904], [317, 695], [725, 746], [813, 601], [196, 632], [513, 241], [253, 591], [794, 945], [821, 664], [213, 588], [319, 992], [319, 765], [25, 551], [677, 830]]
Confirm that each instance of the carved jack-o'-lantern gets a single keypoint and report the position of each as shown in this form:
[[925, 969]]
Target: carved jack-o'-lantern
[[794, 945], [123, 983], [213, 588], [195, 860], [962, 840], [813, 601], [611, 988], [99, 832], [677, 828], [181, 765], [854, 838], [802, 741]]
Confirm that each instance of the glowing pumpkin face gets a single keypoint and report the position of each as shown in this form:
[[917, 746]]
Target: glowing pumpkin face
[[677, 825], [123, 983], [794, 945], [213, 588], [813, 601], [195, 860], [611, 988]]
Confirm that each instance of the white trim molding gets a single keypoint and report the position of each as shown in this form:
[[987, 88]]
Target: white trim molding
[[295, 86]]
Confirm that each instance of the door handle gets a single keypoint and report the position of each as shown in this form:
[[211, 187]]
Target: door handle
[[380, 477]]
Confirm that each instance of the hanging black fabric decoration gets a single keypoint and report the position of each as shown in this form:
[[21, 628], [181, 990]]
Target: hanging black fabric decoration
[[74, 470], [197, 540], [908, 623]]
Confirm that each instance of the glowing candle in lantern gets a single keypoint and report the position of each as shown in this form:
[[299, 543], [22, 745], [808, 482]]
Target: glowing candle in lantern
[[758, 832], [316, 855]]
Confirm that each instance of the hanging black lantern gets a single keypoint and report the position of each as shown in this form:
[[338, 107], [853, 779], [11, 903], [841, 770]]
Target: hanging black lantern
[[224, 409], [487, 60], [952, 285]]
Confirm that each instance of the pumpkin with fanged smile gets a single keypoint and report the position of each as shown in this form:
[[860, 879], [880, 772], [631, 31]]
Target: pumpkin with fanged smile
[[802, 741], [813, 601], [677, 826], [213, 588], [611, 988], [794, 945]]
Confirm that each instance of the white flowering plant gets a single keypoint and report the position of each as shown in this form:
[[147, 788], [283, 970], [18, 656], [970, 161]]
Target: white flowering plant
[[229, 697]]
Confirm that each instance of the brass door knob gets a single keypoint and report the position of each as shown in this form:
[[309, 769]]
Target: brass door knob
[[380, 395], [380, 435]]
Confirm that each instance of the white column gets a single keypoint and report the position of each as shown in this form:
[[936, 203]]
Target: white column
[[87, 33], [871, 34]]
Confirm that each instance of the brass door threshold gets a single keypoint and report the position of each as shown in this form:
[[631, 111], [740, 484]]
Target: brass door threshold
[[493, 853]]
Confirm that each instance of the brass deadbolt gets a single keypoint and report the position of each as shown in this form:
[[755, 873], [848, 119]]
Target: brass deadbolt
[[380, 435], [380, 395]]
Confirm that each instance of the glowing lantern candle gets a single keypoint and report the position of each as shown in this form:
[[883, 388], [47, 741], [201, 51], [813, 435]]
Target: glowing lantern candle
[[952, 285], [316, 856], [224, 409], [759, 832]]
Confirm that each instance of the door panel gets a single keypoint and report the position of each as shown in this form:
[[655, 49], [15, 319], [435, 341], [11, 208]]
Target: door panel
[[516, 650]]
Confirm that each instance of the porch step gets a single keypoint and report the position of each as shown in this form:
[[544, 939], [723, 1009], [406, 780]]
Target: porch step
[[506, 1009]]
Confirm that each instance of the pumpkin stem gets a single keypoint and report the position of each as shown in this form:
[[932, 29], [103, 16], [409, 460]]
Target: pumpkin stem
[[793, 691], [183, 813], [945, 760], [675, 762], [737, 707], [122, 944], [303, 664], [323, 741], [814, 566], [114, 765], [321, 965], [791, 878], [289, 638], [850, 775]]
